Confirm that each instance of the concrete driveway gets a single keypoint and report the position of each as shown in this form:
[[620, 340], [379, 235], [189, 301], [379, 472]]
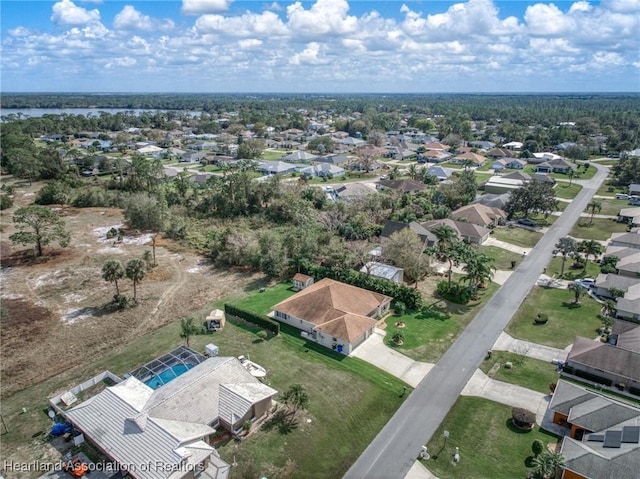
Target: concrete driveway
[[483, 386], [532, 350], [375, 352]]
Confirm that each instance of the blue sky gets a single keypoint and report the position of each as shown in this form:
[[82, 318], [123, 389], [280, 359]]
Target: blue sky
[[321, 46]]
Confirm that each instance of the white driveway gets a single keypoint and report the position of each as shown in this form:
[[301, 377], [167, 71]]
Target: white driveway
[[483, 386], [532, 350], [375, 352]]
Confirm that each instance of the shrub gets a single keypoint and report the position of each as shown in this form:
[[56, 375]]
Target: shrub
[[541, 318], [254, 318], [262, 335], [409, 296], [5, 202], [398, 337], [454, 292], [523, 418], [537, 447], [399, 308]]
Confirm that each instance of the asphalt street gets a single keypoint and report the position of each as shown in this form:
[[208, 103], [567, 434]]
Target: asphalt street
[[394, 450]]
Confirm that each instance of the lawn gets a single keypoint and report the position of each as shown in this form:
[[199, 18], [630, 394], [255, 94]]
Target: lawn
[[609, 207], [604, 189], [261, 303], [273, 155], [555, 267], [517, 236], [501, 258], [348, 406], [562, 205], [581, 174], [566, 320], [567, 191], [489, 446], [597, 229], [526, 372], [429, 333]]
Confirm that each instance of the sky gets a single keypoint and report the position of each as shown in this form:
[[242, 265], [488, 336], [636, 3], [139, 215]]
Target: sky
[[326, 46]]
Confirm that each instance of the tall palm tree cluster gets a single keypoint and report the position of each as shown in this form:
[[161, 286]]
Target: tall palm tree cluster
[[135, 271]]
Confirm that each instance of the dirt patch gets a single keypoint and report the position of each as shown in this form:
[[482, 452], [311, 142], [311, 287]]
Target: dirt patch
[[57, 312]]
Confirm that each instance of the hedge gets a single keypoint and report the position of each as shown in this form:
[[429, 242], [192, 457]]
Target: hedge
[[254, 318], [400, 293]]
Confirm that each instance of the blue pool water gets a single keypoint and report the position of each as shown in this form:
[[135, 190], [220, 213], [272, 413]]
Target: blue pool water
[[167, 375]]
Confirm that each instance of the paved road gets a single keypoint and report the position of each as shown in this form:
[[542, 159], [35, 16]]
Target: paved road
[[396, 447]]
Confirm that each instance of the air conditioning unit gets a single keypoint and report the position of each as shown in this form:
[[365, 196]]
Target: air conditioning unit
[[211, 350]]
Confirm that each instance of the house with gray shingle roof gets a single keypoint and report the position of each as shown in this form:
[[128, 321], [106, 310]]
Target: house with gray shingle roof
[[606, 282], [468, 232], [390, 227], [602, 434], [171, 427], [609, 364], [628, 240]]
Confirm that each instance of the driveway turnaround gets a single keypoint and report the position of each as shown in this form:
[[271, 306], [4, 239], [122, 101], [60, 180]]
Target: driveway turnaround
[[394, 450], [375, 352]]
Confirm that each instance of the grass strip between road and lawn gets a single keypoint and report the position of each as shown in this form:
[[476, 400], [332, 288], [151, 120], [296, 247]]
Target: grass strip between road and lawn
[[566, 320], [527, 372], [489, 445], [567, 191]]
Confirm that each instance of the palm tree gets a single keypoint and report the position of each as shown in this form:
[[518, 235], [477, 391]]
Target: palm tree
[[571, 174], [594, 206], [413, 171], [548, 464], [135, 271], [590, 248], [112, 271], [187, 329], [578, 291], [566, 247], [447, 237], [295, 397], [479, 269]]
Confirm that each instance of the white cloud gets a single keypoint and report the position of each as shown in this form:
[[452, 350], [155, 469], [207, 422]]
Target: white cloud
[[323, 18], [466, 43], [198, 7], [622, 6], [309, 56], [249, 24], [547, 20], [131, 19], [249, 43], [68, 13]]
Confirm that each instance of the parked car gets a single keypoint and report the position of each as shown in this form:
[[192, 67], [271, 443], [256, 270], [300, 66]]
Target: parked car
[[622, 196], [527, 222], [586, 283]]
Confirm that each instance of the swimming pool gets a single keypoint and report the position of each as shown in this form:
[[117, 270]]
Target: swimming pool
[[167, 375]]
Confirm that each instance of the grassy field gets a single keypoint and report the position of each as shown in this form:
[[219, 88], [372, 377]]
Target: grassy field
[[567, 191], [604, 189], [347, 407], [598, 229], [610, 207], [554, 269], [501, 258], [517, 236], [429, 332], [566, 320], [526, 372], [489, 446]]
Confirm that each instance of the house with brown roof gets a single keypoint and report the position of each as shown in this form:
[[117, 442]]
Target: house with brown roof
[[602, 434], [403, 186], [615, 364], [474, 158], [479, 214], [301, 281], [334, 314], [468, 232]]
